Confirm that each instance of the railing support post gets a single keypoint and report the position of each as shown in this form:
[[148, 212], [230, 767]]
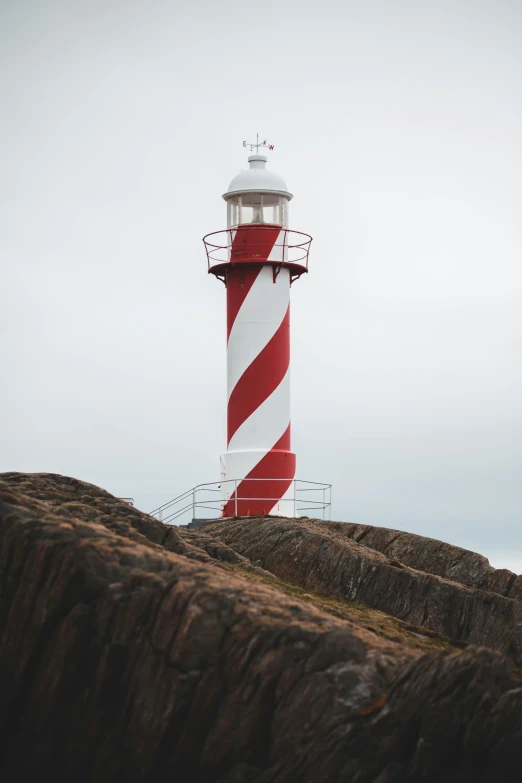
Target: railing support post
[[295, 499], [235, 497], [193, 504]]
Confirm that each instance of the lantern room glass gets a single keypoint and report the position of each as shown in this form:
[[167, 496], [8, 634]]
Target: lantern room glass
[[257, 208]]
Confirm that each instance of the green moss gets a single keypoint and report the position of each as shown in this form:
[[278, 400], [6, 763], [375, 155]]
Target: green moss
[[417, 639]]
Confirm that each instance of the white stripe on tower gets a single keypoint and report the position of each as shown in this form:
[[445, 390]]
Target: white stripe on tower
[[266, 424], [259, 317]]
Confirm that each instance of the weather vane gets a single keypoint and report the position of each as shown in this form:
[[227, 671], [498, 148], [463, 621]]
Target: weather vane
[[258, 144]]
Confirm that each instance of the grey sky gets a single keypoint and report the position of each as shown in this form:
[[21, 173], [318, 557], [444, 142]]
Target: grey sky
[[398, 128]]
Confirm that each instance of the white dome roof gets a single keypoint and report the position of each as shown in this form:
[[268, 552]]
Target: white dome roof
[[257, 179]]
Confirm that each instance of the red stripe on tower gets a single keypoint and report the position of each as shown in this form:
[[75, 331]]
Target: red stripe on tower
[[258, 493], [261, 378]]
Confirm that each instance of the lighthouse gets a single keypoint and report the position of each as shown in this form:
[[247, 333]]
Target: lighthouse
[[258, 258]]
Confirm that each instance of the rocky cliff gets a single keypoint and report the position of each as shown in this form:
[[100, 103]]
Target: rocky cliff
[[251, 650]]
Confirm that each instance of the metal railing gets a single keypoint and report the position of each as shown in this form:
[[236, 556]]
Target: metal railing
[[288, 248], [301, 496]]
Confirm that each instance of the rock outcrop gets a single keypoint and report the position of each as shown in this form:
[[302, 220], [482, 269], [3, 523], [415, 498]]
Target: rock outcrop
[[134, 651], [321, 557], [434, 557]]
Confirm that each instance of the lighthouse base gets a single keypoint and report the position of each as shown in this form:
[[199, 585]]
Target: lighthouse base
[[258, 483]]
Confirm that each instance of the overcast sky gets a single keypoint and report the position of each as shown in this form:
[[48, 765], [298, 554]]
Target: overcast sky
[[397, 125]]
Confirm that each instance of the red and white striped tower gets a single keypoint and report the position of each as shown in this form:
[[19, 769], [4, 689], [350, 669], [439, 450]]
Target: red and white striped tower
[[258, 258]]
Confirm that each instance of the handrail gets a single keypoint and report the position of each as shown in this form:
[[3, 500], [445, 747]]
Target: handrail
[[290, 249], [198, 499], [180, 497]]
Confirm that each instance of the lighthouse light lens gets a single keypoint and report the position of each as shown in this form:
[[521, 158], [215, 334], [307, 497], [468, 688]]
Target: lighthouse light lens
[[257, 208]]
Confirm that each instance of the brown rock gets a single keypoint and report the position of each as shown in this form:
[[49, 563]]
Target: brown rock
[[120, 660], [433, 557], [321, 557]]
